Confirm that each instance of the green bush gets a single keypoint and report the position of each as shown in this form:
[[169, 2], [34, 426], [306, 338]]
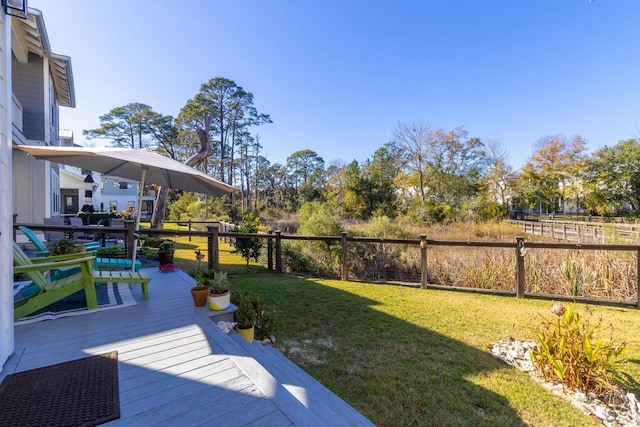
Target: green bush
[[252, 311], [113, 251], [248, 248], [571, 352], [151, 241], [148, 253], [187, 207]]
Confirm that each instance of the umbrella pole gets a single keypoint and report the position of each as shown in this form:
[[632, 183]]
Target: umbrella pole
[[138, 212]]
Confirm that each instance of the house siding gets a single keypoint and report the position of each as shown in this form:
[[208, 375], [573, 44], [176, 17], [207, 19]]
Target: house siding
[[28, 86], [6, 207], [30, 177]]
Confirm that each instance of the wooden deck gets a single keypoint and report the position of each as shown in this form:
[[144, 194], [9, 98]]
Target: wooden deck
[[176, 367]]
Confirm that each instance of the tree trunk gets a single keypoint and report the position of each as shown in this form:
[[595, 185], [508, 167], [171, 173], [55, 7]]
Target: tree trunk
[[160, 209]]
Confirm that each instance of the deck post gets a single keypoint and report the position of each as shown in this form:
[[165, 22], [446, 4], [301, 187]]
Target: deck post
[[344, 258], [520, 280], [189, 229], [212, 248], [424, 272], [130, 236], [638, 276], [270, 250], [278, 251]]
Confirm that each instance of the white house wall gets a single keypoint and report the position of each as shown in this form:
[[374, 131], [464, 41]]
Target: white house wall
[[31, 188], [6, 205]]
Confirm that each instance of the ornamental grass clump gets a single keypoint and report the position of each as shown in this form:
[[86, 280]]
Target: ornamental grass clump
[[572, 352]]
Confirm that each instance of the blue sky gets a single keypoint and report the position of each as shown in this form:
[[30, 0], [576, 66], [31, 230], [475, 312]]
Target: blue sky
[[337, 76]]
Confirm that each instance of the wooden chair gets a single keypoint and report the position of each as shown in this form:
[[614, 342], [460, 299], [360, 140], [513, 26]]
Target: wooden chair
[[47, 291]]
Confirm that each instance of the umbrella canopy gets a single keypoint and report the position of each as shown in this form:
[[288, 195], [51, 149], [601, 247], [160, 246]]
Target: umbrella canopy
[[130, 164], [139, 165]]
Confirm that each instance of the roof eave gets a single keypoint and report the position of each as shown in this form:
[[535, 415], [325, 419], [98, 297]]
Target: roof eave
[[37, 41]]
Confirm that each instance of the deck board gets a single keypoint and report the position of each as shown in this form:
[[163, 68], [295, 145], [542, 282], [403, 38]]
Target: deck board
[[175, 366]]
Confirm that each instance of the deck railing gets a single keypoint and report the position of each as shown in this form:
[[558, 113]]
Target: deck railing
[[430, 268]]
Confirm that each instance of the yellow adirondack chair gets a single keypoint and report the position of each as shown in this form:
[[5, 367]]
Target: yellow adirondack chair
[[46, 290]]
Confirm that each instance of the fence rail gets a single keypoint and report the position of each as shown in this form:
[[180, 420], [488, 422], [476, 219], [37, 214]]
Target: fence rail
[[581, 232], [516, 272]]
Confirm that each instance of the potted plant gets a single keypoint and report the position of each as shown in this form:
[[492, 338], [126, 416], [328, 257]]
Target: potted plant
[[245, 315], [219, 293], [200, 292], [65, 246], [165, 252], [264, 321]]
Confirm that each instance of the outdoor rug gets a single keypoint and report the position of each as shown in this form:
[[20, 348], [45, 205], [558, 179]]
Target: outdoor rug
[[110, 296], [81, 392]]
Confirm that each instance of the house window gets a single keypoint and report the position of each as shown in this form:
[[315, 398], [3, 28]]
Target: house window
[[113, 206], [123, 185], [55, 193]]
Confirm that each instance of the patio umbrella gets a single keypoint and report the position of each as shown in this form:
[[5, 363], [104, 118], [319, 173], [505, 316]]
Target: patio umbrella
[[139, 165]]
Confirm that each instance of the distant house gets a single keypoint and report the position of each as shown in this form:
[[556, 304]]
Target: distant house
[[34, 82], [117, 194], [82, 190]]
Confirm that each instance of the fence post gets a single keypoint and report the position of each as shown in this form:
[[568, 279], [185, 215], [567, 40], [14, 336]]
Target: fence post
[[129, 237], [423, 261], [278, 251], [520, 281], [212, 248], [270, 250], [189, 229], [344, 258], [638, 276]]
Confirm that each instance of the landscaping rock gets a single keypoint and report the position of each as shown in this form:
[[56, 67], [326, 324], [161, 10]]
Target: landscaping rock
[[623, 410]]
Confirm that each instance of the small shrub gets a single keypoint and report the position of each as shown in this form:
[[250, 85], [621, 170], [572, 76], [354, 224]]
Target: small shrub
[[252, 311], [148, 253], [151, 241], [249, 248], [571, 353]]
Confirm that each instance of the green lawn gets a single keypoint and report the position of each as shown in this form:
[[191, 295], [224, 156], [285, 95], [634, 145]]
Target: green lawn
[[406, 356]]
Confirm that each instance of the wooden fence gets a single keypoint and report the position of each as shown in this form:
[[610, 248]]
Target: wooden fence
[[273, 243], [581, 232]]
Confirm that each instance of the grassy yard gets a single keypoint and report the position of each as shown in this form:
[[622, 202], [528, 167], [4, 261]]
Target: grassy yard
[[406, 356]]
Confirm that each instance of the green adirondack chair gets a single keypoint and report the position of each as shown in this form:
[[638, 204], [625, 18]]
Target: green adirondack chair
[[100, 263], [41, 248], [46, 291]]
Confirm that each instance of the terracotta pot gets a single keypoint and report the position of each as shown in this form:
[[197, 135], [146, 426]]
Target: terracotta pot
[[200, 296], [247, 334], [219, 301]]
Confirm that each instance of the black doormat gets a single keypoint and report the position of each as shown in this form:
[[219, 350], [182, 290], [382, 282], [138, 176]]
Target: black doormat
[[81, 392]]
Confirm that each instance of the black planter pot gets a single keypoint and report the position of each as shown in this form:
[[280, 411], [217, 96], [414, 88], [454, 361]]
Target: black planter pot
[[165, 257]]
